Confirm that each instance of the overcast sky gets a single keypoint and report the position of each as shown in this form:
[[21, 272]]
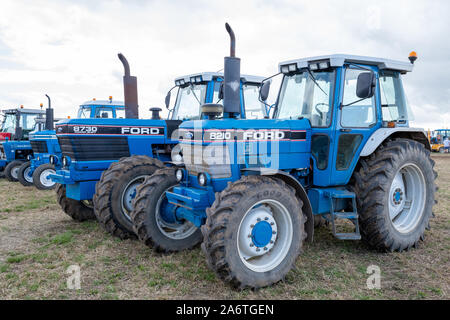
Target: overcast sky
[[68, 49]]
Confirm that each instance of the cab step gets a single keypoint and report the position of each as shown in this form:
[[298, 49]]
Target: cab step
[[334, 195]]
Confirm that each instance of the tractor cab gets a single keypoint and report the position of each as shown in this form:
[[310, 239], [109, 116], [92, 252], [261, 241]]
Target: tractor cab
[[105, 109], [346, 100], [18, 123]]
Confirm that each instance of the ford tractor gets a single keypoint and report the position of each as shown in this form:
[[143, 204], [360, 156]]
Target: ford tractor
[[14, 145], [103, 160], [45, 145], [339, 146]]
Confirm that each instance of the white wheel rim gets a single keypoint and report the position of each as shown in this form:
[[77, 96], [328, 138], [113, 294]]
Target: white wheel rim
[[129, 194], [407, 198], [27, 176], [267, 255], [15, 172], [44, 178], [174, 231]]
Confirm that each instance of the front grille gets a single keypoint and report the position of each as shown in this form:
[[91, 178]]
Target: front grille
[[2, 153], [39, 146], [94, 148], [214, 160]]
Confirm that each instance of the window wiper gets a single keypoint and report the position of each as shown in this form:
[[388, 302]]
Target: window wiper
[[192, 90], [315, 82]]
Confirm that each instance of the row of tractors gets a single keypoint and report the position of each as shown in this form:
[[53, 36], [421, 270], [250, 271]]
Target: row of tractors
[[246, 180]]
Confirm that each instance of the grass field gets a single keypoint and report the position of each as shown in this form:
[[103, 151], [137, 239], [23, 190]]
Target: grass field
[[38, 243]]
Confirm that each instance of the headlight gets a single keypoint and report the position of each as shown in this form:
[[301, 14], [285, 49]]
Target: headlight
[[65, 161], [202, 179], [179, 174], [53, 159], [29, 157], [313, 66]]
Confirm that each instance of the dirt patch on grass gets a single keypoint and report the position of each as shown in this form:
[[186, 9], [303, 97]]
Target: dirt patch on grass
[[38, 243]]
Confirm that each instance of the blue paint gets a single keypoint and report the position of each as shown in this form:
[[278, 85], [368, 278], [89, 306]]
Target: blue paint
[[261, 234]]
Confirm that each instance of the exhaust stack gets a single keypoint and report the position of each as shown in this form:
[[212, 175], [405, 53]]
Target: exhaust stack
[[49, 115], [232, 75], [130, 91]]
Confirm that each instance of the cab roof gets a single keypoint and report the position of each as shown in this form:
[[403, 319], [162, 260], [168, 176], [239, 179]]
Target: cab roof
[[338, 60], [103, 103], [208, 76], [24, 110]]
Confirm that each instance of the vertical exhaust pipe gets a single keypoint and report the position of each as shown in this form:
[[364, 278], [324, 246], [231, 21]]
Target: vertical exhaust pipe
[[232, 81], [49, 115], [129, 90]]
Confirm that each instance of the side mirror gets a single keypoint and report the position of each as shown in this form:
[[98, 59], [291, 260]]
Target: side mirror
[[167, 100], [365, 85], [264, 91]]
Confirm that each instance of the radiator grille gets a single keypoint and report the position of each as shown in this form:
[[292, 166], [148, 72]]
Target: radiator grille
[[94, 148], [39, 146]]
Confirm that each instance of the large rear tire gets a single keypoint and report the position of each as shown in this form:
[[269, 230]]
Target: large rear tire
[[41, 177], [254, 232], [154, 218], [116, 190], [24, 174], [77, 210], [12, 170], [395, 189]]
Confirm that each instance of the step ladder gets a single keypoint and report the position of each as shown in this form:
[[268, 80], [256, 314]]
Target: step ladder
[[352, 216]]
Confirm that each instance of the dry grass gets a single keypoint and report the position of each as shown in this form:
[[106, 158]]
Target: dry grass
[[38, 242]]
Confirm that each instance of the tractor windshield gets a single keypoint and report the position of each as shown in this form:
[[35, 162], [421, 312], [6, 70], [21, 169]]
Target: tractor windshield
[[9, 123], [84, 112], [307, 95], [189, 100]]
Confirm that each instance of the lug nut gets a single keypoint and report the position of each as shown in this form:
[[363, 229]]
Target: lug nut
[[252, 226], [265, 248], [266, 218], [272, 223], [271, 241], [259, 219], [249, 235], [274, 232], [258, 249], [252, 245]]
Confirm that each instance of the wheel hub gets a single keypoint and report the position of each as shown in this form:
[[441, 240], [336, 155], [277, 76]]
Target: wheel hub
[[45, 177], [258, 232], [28, 177]]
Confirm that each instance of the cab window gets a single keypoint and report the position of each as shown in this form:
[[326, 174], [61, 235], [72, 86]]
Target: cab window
[[393, 102], [120, 113], [84, 112], [360, 114], [254, 109], [104, 112]]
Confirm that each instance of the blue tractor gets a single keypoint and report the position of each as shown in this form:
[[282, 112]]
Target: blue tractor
[[338, 147], [103, 160], [15, 148], [44, 143]]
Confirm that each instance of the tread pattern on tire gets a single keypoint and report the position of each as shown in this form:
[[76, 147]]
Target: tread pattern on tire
[[109, 177], [213, 231], [139, 213], [371, 183], [73, 208]]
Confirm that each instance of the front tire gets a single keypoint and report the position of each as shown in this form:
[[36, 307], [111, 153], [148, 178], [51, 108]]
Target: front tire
[[395, 189], [24, 174], [116, 190], [41, 177], [12, 170], [254, 232], [77, 210], [154, 218]]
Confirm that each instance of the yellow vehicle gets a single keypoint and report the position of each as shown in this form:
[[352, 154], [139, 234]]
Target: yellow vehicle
[[437, 139]]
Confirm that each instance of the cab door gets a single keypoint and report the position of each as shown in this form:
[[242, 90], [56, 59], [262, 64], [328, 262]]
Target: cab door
[[357, 119]]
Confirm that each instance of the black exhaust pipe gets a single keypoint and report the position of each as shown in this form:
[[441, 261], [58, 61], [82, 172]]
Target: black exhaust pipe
[[49, 115], [232, 81], [130, 91]]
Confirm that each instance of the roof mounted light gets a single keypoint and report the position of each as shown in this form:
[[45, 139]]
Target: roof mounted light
[[412, 57], [324, 65], [289, 68], [313, 67]]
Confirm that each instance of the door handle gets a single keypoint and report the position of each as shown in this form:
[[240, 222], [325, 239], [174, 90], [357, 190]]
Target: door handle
[[345, 130]]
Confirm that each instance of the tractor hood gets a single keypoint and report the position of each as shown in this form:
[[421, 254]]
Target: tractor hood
[[276, 144]]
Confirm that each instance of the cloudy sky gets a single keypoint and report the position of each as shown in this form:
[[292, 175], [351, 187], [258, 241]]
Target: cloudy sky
[[68, 49]]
